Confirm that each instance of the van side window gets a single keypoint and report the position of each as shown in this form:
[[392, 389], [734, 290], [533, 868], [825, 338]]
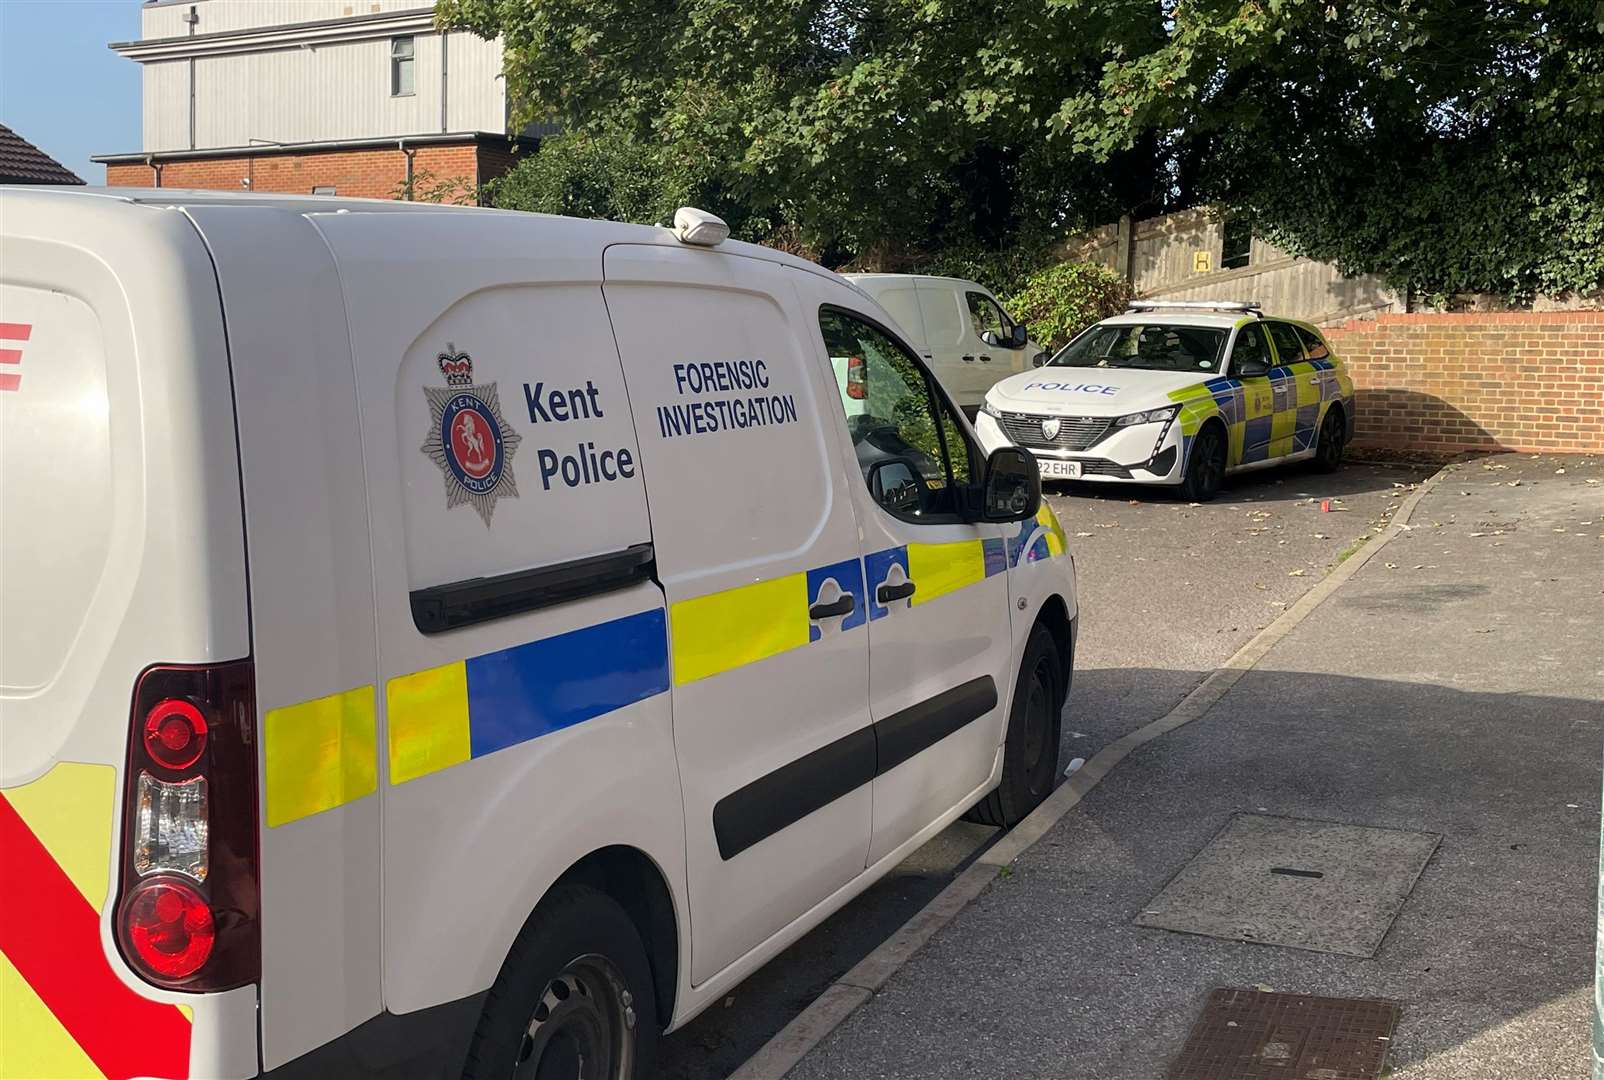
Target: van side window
[[912, 451], [986, 315]]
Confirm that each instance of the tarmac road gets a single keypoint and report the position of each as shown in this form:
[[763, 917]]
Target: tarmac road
[[1168, 591]]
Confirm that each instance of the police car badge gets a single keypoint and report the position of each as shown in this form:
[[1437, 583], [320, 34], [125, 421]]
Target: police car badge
[[468, 438]]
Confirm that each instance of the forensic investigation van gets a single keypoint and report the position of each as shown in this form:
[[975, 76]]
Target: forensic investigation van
[[1178, 393], [442, 641]]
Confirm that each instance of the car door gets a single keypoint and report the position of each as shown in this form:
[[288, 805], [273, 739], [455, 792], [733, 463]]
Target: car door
[[757, 552], [937, 589], [1250, 364], [986, 314], [950, 347], [1296, 385]]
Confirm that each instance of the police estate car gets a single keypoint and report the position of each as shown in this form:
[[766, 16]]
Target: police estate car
[[1177, 393]]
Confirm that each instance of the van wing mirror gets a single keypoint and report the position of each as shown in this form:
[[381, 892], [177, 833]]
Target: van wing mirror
[[1021, 336], [1012, 488], [895, 485]]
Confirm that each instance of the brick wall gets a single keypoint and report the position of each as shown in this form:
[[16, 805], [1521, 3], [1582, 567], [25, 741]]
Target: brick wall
[[361, 174], [1445, 384]]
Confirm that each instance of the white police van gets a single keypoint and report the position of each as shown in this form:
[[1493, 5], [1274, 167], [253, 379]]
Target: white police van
[[1179, 393], [447, 641]]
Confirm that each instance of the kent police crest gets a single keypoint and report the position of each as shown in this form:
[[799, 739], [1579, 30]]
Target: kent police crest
[[468, 439]]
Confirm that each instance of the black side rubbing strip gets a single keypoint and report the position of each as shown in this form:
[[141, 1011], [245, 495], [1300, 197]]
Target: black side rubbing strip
[[815, 780], [792, 792], [918, 727], [463, 603]]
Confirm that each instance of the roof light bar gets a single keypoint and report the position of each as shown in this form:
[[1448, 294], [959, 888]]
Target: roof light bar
[[1196, 305]]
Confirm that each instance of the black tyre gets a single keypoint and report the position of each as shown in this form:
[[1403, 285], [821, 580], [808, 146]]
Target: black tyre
[[1030, 752], [1331, 442], [573, 1000], [1205, 468]]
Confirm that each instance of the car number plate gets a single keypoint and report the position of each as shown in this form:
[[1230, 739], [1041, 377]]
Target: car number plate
[[1065, 470]]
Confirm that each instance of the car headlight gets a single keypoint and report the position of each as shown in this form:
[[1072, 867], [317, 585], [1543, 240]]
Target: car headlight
[[990, 410], [1151, 416]]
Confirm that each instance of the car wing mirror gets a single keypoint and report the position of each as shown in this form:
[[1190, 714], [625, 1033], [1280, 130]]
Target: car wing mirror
[[1250, 369]]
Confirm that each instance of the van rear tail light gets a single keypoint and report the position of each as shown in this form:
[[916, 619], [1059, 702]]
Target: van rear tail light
[[170, 827], [170, 928], [857, 378], [188, 891]]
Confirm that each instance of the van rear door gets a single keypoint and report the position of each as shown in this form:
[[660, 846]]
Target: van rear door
[[121, 547]]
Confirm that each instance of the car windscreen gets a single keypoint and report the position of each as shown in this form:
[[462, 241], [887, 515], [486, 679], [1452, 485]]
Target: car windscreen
[[1150, 346]]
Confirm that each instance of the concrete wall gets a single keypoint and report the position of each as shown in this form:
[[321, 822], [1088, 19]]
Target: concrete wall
[[1446, 384]]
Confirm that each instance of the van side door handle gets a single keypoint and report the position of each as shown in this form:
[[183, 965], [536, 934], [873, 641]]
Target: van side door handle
[[887, 593], [969, 359], [984, 359], [841, 606]]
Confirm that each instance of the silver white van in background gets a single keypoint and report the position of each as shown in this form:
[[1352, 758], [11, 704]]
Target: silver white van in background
[[959, 327]]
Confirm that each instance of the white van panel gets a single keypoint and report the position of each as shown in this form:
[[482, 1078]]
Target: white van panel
[[534, 760], [901, 302], [311, 614], [55, 448], [571, 454], [727, 397], [170, 587]]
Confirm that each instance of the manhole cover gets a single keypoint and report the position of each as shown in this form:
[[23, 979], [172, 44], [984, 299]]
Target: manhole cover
[[1304, 884], [1254, 1035]]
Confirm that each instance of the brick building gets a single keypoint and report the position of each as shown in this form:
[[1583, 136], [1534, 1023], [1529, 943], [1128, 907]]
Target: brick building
[[360, 98]]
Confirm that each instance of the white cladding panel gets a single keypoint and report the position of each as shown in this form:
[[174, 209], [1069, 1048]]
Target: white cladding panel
[[476, 94], [218, 16], [167, 105], [318, 90]]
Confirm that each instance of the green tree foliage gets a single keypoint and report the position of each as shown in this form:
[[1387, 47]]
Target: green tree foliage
[[1446, 144], [1062, 300]]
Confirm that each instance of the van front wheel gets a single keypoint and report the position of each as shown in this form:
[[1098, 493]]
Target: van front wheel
[[1030, 751], [573, 1000]]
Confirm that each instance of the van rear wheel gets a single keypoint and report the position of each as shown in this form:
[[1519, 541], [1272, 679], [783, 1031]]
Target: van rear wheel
[[1030, 752], [574, 998]]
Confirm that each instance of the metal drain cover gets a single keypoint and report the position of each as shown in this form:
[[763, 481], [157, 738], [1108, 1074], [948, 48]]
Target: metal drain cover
[[1255, 1035], [1314, 885]]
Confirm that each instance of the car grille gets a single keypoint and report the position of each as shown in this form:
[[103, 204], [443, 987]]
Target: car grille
[[1074, 432]]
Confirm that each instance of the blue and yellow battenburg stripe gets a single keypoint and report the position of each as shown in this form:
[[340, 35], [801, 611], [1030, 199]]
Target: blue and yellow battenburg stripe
[[469, 708], [322, 754], [1296, 403], [731, 628]]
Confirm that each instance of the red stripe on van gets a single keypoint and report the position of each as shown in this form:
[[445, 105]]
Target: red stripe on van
[[51, 935], [10, 356], [10, 380], [15, 331]]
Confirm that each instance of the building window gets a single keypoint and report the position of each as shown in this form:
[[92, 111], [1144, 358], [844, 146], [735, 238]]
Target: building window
[[401, 65], [1238, 244], [323, 189]]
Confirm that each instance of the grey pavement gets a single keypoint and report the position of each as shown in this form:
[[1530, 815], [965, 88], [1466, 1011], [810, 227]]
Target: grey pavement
[[1453, 686], [1168, 591]]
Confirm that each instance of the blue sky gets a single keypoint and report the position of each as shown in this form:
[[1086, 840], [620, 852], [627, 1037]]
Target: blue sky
[[61, 88]]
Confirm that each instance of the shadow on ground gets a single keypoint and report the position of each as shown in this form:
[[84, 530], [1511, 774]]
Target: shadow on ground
[[1490, 956]]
